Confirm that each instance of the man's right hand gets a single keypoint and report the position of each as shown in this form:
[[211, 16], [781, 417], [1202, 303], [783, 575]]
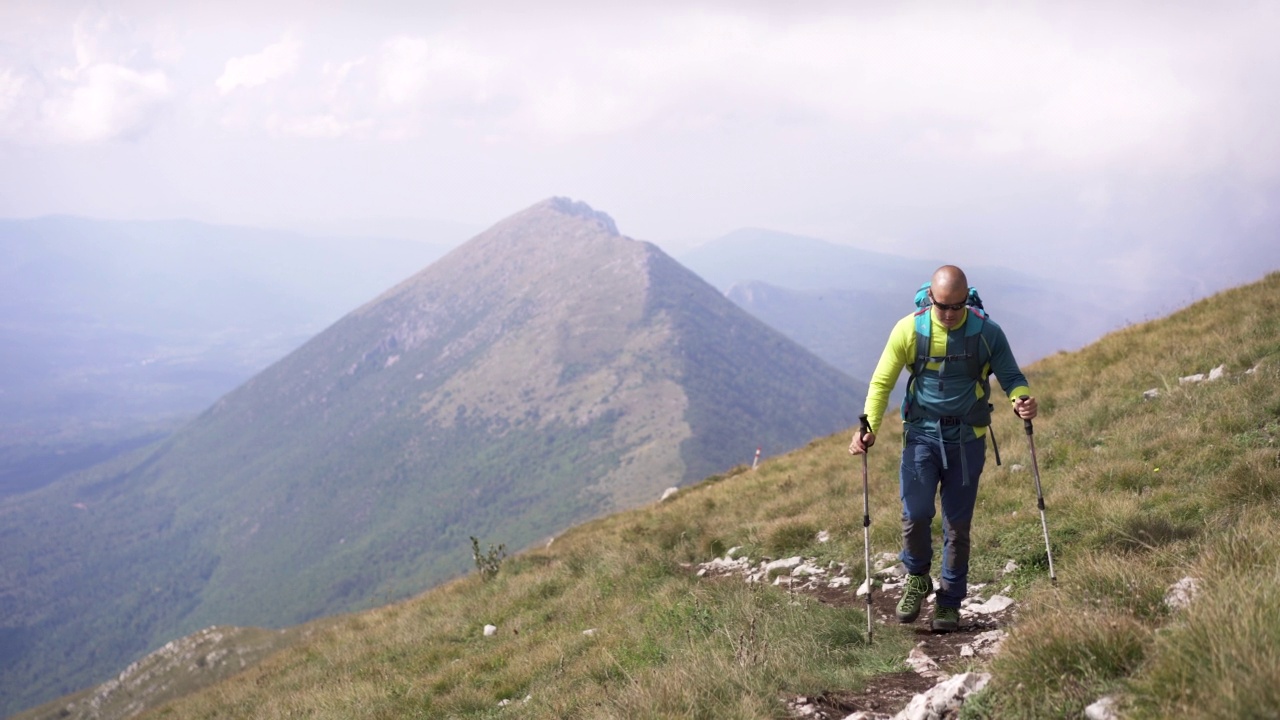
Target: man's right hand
[[861, 442]]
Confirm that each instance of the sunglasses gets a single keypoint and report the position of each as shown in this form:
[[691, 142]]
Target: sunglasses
[[943, 306]]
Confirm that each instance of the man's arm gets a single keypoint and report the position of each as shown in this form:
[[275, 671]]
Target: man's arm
[[896, 355], [1005, 366]]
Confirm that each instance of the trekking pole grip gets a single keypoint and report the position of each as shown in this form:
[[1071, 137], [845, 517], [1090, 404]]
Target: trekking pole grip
[[866, 426], [1026, 423]]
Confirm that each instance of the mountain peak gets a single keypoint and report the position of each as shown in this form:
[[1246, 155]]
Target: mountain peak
[[577, 208]]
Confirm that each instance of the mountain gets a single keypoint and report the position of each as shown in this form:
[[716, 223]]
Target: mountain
[[547, 371], [1162, 508]]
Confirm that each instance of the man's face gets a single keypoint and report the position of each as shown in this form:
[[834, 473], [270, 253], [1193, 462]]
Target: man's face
[[949, 306]]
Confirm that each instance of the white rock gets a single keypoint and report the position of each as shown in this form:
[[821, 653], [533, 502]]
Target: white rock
[[589, 632], [1151, 394], [862, 589], [666, 494], [733, 553], [868, 715], [1015, 468], [807, 569], [490, 630], [923, 664], [842, 581], [988, 643], [966, 651], [824, 536], [723, 565], [1181, 593], [1198, 377], [785, 564], [1010, 566], [995, 604], [898, 570], [945, 698], [885, 559], [1218, 372], [1102, 709], [504, 703]]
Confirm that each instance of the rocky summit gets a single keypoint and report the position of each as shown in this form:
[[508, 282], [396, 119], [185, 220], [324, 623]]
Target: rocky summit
[[547, 371]]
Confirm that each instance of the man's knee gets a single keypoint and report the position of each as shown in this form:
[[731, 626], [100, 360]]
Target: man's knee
[[957, 533]]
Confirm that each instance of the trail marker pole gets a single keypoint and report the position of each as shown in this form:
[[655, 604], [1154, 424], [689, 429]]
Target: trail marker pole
[[1035, 469], [756, 461]]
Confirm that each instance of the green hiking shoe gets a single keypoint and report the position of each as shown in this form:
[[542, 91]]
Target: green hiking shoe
[[913, 595], [946, 619]]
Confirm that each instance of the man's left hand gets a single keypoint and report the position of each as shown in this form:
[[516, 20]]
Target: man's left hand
[[1026, 409]]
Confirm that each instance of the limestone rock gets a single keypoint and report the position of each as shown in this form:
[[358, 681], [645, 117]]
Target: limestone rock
[[944, 699], [1181, 593], [1102, 709]]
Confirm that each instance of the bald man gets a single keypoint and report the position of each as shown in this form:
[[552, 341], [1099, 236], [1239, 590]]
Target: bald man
[[951, 350]]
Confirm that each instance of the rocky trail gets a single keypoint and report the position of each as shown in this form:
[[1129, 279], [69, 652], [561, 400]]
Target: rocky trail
[[926, 687]]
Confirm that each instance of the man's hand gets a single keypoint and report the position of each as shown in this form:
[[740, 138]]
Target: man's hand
[[861, 442], [1025, 407]]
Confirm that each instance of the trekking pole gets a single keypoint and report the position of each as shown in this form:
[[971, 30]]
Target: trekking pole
[[1035, 469], [866, 519]]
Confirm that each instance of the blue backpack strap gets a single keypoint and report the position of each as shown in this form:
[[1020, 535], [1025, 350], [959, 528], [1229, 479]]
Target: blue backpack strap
[[973, 345], [924, 326]]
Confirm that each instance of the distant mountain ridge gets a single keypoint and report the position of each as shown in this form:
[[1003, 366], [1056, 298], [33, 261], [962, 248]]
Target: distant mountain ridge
[[547, 371], [840, 302]]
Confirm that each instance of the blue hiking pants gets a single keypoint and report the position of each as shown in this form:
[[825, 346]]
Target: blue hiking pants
[[922, 477]]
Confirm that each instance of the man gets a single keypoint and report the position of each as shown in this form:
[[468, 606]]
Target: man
[[951, 350]]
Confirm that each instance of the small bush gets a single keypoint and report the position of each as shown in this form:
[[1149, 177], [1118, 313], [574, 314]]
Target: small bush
[[488, 563]]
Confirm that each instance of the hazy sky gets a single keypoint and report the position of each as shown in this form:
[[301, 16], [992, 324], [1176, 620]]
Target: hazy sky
[[1135, 137]]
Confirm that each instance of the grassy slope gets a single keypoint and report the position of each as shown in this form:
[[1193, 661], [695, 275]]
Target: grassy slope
[[1139, 493]]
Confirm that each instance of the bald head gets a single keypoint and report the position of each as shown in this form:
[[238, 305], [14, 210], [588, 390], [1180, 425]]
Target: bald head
[[949, 281], [949, 287]]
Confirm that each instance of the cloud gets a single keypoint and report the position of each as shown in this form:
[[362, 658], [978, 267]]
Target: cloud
[[106, 87], [274, 62], [105, 101]]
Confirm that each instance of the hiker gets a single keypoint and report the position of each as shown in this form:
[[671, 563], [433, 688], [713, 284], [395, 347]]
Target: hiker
[[951, 349]]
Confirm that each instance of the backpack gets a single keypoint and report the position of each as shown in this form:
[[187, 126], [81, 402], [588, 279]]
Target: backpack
[[976, 356]]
